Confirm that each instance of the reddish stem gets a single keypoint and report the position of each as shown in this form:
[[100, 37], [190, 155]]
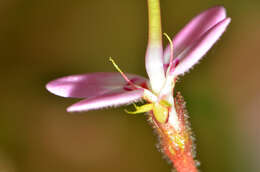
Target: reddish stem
[[182, 159], [177, 145], [179, 153]]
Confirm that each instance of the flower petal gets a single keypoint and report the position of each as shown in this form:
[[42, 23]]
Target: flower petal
[[116, 98], [194, 30], [91, 85], [193, 54]]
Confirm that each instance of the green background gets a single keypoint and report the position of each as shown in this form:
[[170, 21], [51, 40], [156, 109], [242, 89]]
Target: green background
[[41, 40]]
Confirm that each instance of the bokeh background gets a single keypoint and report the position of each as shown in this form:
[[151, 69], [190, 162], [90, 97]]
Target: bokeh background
[[45, 39]]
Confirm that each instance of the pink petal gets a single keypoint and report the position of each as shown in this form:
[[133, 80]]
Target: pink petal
[[91, 85], [193, 54], [116, 98], [195, 29]]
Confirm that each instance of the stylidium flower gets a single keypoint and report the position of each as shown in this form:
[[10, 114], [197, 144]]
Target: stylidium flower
[[166, 111]]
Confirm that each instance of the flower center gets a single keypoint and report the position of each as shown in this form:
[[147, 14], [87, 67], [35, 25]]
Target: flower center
[[158, 105]]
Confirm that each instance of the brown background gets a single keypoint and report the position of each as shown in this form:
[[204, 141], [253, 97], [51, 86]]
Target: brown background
[[41, 40]]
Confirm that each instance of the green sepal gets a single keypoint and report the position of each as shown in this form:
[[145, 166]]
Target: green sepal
[[141, 109]]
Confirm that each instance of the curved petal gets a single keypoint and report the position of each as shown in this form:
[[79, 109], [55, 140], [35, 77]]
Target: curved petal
[[116, 98], [198, 26], [91, 85], [193, 54]]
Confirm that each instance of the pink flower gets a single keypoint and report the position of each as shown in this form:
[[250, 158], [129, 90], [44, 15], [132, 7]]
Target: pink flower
[[100, 90], [167, 113]]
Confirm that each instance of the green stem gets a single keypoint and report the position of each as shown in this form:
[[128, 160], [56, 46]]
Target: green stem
[[154, 15]]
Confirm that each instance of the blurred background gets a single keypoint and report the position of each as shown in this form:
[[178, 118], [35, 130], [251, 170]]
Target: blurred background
[[45, 39]]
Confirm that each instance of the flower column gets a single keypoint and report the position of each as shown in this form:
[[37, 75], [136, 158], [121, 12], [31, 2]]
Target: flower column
[[154, 53], [174, 133]]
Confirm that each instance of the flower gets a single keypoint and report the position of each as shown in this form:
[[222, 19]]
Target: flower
[[100, 90], [166, 112]]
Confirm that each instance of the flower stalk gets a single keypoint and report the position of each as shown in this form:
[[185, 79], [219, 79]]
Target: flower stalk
[[174, 135], [177, 145], [155, 30]]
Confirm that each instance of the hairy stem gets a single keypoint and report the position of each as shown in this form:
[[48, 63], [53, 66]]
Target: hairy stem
[[177, 145]]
